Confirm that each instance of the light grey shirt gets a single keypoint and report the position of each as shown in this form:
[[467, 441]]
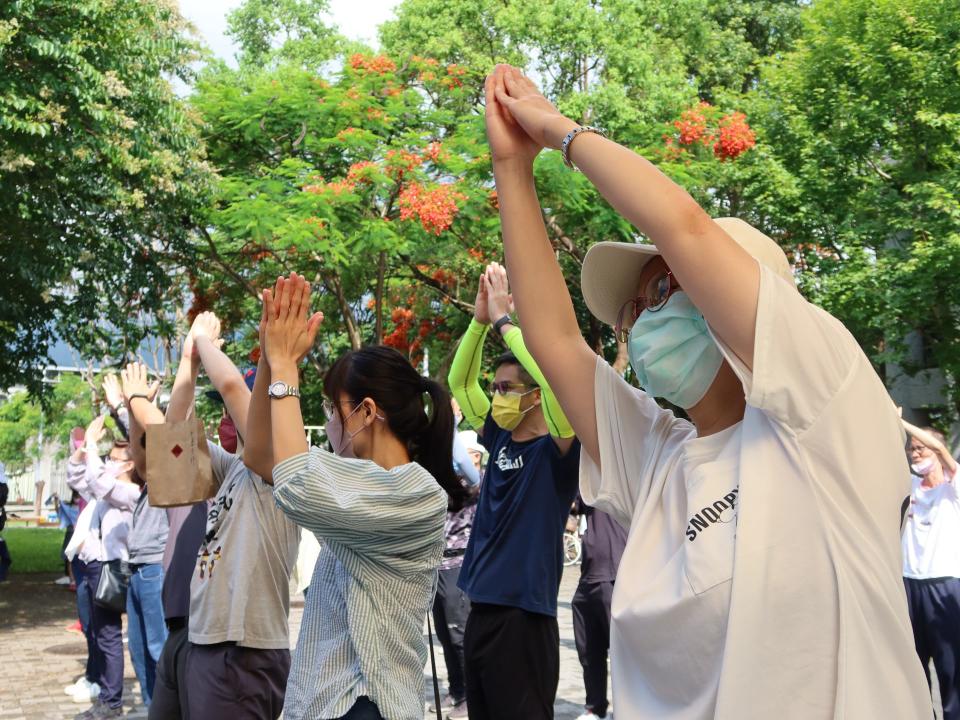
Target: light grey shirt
[[240, 586], [362, 630]]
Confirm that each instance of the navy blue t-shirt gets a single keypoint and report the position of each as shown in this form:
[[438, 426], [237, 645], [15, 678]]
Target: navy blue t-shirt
[[515, 554]]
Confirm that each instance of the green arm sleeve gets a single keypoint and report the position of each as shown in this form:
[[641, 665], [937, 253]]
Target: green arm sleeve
[[464, 376], [557, 422]]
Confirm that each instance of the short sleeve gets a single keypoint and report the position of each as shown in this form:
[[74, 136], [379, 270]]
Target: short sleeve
[[802, 356], [221, 462], [634, 435]]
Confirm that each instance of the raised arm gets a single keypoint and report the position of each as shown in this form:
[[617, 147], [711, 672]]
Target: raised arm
[[464, 375], [224, 375], [933, 442], [102, 484], [290, 334], [540, 293], [720, 277], [114, 397], [138, 394], [258, 443], [183, 394], [501, 304]]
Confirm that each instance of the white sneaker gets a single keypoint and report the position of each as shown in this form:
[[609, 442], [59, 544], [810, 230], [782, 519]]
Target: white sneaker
[[589, 716], [69, 689], [65, 580], [87, 694]]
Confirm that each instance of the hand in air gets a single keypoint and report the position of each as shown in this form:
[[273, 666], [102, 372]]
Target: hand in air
[[135, 380], [112, 391], [290, 329], [499, 299], [518, 97], [95, 432], [481, 310], [508, 140]]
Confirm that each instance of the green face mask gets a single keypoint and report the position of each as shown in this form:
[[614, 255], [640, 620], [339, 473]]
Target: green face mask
[[506, 409]]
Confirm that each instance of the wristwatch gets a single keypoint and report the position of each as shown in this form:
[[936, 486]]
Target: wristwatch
[[280, 390], [501, 322]]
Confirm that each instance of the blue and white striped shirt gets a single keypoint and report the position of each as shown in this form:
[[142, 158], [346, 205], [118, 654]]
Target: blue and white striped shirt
[[362, 630]]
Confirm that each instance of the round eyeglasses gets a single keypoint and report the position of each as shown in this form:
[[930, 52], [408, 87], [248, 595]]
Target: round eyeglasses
[[655, 296]]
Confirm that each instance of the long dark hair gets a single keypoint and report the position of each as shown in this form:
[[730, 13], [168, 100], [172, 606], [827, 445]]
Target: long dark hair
[[387, 377]]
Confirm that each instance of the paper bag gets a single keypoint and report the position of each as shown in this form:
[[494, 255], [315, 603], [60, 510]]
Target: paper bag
[[178, 464]]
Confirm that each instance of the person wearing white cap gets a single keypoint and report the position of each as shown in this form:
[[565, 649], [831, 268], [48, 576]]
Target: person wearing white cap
[[761, 576]]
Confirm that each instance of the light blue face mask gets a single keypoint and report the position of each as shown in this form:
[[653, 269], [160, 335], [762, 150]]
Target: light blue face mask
[[672, 353]]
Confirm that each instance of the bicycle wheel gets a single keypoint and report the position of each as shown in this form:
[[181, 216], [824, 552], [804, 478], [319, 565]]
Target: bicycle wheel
[[571, 549]]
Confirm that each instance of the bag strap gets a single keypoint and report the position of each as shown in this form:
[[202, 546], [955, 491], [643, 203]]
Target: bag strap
[[433, 669]]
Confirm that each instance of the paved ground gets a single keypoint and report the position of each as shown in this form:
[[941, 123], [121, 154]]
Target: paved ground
[[38, 657]]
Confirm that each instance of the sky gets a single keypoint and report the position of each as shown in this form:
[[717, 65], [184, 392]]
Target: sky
[[357, 19]]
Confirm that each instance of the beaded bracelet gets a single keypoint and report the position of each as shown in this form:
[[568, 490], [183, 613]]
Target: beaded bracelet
[[568, 140]]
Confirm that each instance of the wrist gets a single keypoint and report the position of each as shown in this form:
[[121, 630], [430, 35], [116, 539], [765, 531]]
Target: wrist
[[285, 371], [513, 166], [557, 129]]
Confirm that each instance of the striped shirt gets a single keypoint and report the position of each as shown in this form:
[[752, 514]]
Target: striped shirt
[[362, 629]]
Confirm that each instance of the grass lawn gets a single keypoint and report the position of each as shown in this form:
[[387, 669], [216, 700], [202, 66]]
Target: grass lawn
[[34, 549]]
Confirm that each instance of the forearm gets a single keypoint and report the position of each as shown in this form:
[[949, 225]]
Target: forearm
[[137, 451], [228, 381], [464, 375], [287, 433], [184, 387], [121, 425], [257, 443], [557, 421], [931, 441], [536, 280]]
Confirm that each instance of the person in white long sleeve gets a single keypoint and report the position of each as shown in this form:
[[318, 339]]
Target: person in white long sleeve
[[106, 541]]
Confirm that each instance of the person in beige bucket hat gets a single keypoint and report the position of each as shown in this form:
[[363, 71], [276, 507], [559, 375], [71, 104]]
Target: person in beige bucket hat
[[761, 576]]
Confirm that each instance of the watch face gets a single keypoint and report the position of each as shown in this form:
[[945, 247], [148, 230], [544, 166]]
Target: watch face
[[278, 389]]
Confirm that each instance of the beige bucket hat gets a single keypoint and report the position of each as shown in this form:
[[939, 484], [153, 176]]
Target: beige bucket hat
[[611, 269]]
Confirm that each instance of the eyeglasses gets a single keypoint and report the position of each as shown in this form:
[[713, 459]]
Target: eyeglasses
[[503, 387], [328, 406], [655, 296]]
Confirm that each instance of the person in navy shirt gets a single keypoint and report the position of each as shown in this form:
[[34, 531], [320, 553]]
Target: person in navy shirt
[[514, 560]]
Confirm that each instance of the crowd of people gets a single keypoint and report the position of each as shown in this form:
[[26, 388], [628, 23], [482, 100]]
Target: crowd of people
[[759, 527]]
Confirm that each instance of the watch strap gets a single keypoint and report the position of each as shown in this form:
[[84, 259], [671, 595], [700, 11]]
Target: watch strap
[[501, 322]]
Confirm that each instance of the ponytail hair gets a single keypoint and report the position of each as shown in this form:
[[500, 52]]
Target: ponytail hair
[[387, 377]]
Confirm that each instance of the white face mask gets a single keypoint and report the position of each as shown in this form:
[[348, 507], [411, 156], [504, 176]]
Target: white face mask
[[923, 467]]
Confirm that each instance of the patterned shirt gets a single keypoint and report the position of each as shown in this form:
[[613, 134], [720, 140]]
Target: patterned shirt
[[362, 630], [456, 529]]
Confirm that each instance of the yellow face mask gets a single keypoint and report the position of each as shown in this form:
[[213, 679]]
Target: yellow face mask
[[506, 409]]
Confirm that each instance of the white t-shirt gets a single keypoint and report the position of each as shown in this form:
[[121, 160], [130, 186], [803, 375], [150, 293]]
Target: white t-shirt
[[240, 589], [762, 573], [931, 534]]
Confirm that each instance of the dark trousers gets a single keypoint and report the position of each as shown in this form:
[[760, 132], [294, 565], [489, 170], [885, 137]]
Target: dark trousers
[[84, 611], [107, 628], [935, 616], [451, 606], [512, 663], [363, 709], [229, 682], [591, 631], [170, 685]]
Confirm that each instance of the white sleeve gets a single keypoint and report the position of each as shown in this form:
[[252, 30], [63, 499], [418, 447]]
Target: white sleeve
[[801, 358], [633, 432], [220, 462]]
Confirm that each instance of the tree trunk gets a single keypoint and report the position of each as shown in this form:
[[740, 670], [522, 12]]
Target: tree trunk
[[381, 272], [333, 282]]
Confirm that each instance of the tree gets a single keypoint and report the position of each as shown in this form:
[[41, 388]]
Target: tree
[[373, 180], [864, 117], [102, 169]]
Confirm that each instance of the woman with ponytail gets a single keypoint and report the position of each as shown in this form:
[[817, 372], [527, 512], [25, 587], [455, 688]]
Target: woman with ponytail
[[378, 504]]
